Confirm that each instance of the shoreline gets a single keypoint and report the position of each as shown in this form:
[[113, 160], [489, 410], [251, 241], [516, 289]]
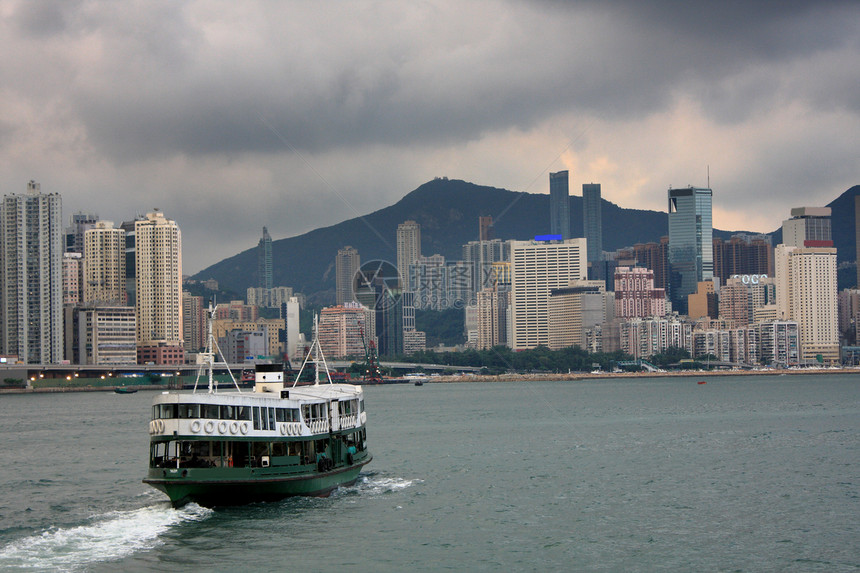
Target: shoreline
[[452, 379]]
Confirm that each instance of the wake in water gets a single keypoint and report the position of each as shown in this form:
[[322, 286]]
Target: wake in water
[[373, 484], [109, 537]]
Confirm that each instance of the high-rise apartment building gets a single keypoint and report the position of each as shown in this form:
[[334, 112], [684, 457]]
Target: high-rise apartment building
[[408, 248], [347, 264], [559, 204], [592, 214], [342, 328], [636, 295], [538, 267], [574, 309], [74, 233], [194, 329], [485, 228], [158, 262], [654, 256], [31, 281], [104, 264], [691, 257], [264, 260], [72, 277], [742, 255]]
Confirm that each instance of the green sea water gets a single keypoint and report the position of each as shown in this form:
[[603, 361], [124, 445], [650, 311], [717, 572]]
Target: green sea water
[[743, 473]]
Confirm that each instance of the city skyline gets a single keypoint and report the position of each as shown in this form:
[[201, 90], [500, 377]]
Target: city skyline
[[342, 113]]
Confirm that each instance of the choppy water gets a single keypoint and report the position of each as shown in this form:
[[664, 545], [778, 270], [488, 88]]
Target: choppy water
[[739, 474]]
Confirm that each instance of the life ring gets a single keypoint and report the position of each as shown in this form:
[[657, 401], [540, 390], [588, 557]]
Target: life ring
[[210, 426], [234, 427], [244, 428], [222, 427], [195, 426], [283, 429], [159, 425]]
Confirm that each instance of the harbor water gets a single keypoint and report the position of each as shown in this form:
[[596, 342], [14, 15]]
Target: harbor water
[[743, 473]]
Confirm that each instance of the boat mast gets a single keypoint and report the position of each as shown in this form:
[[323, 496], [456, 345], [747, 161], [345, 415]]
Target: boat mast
[[207, 358]]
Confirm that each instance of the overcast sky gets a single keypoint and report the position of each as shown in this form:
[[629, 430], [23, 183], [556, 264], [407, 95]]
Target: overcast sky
[[231, 115]]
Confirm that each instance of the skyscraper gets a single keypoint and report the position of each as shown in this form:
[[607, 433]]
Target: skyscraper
[[691, 257], [808, 227], [31, 281], [559, 204], [264, 260], [346, 265], [158, 261], [538, 267], [593, 227], [408, 248], [104, 264]]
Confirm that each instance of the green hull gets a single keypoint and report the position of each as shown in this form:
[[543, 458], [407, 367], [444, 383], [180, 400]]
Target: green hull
[[212, 487]]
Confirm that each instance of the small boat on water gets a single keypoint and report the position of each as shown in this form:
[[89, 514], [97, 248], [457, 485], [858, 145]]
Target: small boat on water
[[417, 378], [280, 440], [124, 390]]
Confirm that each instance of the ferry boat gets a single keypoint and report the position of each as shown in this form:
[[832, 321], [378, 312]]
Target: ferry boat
[[280, 440]]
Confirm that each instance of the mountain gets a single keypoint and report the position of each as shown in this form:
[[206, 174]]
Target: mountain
[[448, 212]]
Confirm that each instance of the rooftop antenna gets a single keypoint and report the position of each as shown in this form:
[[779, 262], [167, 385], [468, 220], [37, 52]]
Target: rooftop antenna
[[709, 176]]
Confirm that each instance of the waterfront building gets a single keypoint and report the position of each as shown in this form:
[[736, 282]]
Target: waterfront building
[[538, 267], [636, 295], [264, 261], [106, 335], [158, 265], [779, 343], [574, 309], [408, 247], [691, 245], [347, 263], [104, 265], [642, 338], [244, 346], [31, 281], [592, 225], [711, 342], [849, 315], [491, 315], [734, 302], [703, 302], [559, 204]]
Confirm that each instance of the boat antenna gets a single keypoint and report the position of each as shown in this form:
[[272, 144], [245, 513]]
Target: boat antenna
[[207, 359], [315, 355]]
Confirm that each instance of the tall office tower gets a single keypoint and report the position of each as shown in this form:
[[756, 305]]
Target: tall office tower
[[654, 256], [742, 255], [104, 264], [538, 267], [158, 262], [593, 227], [485, 228], [408, 248], [74, 234], [73, 264], [194, 330], [559, 204], [31, 281], [636, 295], [691, 243], [347, 264], [808, 227], [264, 260]]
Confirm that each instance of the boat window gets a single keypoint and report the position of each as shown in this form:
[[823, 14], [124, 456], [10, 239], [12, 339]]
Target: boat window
[[228, 413], [243, 412], [294, 448], [256, 418], [167, 411], [189, 410], [361, 406], [281, 414], [210, 411], [271, 418], [279, 448]]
